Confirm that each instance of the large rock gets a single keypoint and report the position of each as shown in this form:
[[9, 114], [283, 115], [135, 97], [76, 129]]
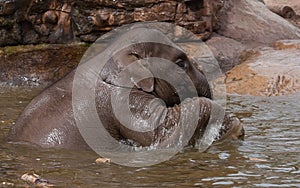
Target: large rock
[[63, 21], [268, 72], [252, 22], [40, 64], [227, 51]]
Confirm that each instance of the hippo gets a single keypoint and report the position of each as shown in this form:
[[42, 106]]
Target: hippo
[[49, 120]]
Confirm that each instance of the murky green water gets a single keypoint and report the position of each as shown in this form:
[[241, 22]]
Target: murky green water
[[269, 156]]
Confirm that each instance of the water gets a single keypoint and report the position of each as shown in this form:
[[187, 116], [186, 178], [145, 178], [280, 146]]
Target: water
[[268, 157]]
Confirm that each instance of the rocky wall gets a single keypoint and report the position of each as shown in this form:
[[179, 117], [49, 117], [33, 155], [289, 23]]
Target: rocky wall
[[65, 21]]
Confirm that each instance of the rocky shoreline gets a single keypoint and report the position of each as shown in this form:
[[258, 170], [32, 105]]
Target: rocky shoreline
[[255, 47]]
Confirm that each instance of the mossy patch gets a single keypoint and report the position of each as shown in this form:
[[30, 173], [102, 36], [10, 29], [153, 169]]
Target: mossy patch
[[10, 50]]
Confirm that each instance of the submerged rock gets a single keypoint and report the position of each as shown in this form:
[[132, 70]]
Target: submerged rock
[[268, 72]]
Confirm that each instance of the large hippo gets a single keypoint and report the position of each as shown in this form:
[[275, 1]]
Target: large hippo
[[48, 121]]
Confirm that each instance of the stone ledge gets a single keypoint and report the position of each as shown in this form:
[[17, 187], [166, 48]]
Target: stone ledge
[[38, 64]]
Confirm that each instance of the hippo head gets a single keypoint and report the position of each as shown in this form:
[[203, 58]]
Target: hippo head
[[155, 45], [147, 49]]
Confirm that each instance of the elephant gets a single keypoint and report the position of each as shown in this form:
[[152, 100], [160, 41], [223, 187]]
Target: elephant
[[49, 120]]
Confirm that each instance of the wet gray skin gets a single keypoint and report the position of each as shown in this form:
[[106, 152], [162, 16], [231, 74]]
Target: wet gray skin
[[48, 121]]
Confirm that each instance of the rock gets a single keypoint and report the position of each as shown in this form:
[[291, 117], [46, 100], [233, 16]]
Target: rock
[[8, 7], [56, 21], [225, 50], [101, 160], [252, 22], [268, 72], [38, 65], [36, 180], [286, 9], [286, 44]]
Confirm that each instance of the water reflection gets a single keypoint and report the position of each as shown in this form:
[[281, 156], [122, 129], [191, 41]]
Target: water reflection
[[269, 156]]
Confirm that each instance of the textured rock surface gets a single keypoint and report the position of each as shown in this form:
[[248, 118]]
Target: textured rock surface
[[252, 22], [268, 72], [226, 51], [287, 44], [285, 8], [34, 65], [62, 21]]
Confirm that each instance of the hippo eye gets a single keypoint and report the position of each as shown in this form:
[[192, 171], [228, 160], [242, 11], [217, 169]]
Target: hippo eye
[[180, 63]]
